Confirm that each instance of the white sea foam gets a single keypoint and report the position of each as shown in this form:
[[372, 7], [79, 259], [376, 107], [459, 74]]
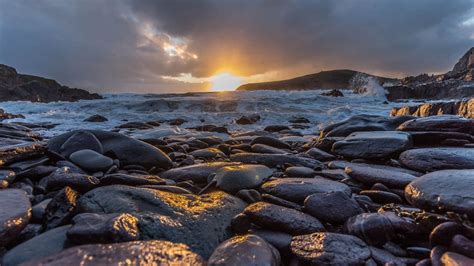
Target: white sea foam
[[275, 107]]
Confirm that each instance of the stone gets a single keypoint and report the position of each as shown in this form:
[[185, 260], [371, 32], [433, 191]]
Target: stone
[[45, 244], [208, 153], [6, 178], [452, 258], [444, 233], [382, 197], [135, 125], [16, 150], [234, 178], [320, 155], [90, 228], [245, 250], [333, 93], [332, 207], [273, 142], [299, 171], [262, 148], [279, 240], [202, 222], [373, 145], [279, 201], [248, 119], [383, 257], [37, 212], [369, 176], [131, 180], [276, 128], [362, 123], [330, 249], [433, 159], [297, 189], [198, 173], [442, 191], [91, 160], [15, 213], [96, 119], [462, 245], [249, 195], [436, 138], [79, 182], [128, 150], [151, 252], [81, 140], [61, 208], [282, 219], [445, 123], [275, 160]]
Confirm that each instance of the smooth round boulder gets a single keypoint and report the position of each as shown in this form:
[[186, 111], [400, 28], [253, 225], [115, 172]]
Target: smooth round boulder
[[369, 176], [151, 252], [442, 191], [15, 213], [245, 250], [282, 219], [297, 189], [91, 160], [330, 249], [433, 159], [234, 178], [198, 173], [444, 123], [373, 144], [81, 140], [332, 207], [299, 171]]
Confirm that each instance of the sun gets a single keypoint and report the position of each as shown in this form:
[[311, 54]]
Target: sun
[[224, 82]]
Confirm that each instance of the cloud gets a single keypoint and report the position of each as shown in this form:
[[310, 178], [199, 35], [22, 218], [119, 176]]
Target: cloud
[[124, 45]]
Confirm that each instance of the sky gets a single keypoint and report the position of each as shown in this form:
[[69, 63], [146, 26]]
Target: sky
[[181, 45]]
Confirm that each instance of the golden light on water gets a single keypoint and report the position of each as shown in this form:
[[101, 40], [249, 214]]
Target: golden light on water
[[225, 82]]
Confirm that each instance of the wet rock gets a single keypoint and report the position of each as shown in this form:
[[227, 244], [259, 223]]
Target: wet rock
[[202, 222], [333, 174], [170, 188], [79, 182], [330, 249], [362, 123], [432, 159], [436, 138], [234, 178], [274, 160], [333, 93], [262, 148], [37, 172], [276, 128], [332, 207], [90, 228], [273, 142], [249, 195], [452, 258], [279, 201], [279, 240], [15, 212], [444, 233], [131, 180], [373, 145], [388, 177], [297, 189], [151, 252], [128, 150], [61, 208], [208, 153], [198, 173], [135, 125], [382, 197], [462, 245], [81, 140], [245, 250], [383, 257], [441, 191], [37, 212], [320, 155], [6, 178], [299, 171], [45, 244], [445, 123], [91, 160], [299, 120], [248, 119], [283, 219], [16, 150], [96, 119]]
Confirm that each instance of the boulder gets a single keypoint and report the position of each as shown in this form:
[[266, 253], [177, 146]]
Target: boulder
[[433, 159], [373, 145], [91, 160], [15, 213], [275, 160], [96, 119], [332, 207], [234, 178], [81, 140], [444, 123], [369, 176], [198, 173], [442, 191]]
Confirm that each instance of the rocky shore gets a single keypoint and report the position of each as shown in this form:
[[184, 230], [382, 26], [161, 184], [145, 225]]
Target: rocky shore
[[369, 190]]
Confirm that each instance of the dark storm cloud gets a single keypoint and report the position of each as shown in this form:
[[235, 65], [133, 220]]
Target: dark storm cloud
[[122, 45]]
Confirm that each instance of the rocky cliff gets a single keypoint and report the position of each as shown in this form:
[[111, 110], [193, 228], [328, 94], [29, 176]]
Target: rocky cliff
[[20, 87], [464, 108], [455, 84], [334, 79]]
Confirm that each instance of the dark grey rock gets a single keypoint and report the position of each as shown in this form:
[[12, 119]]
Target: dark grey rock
[[320, 154], [37, 212], [382, 197], [61, 208], [245, 250], [81, 140], [234, 178], [91, 160], [275, 160], [198, 173], [445, 123], [15, 213], [262, 148], [131, 180], [330, 249], [297, 189], [282, 219], [273, 142], [441, 191], [432, 159], [96, 119], [333, 207], [299, 171], [344, 164], [208, 153], [388, 177]]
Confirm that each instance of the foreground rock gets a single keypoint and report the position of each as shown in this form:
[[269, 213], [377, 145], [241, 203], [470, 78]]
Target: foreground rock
[[330, 249], [128, 150], [234, 178], [444, 123], [15, 212], [362, 123], [197, 173], [370, 176], [441, 191], [20, 87], [199, 221], [373, 145], [245, 250], [432, 159], [152, 252]]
